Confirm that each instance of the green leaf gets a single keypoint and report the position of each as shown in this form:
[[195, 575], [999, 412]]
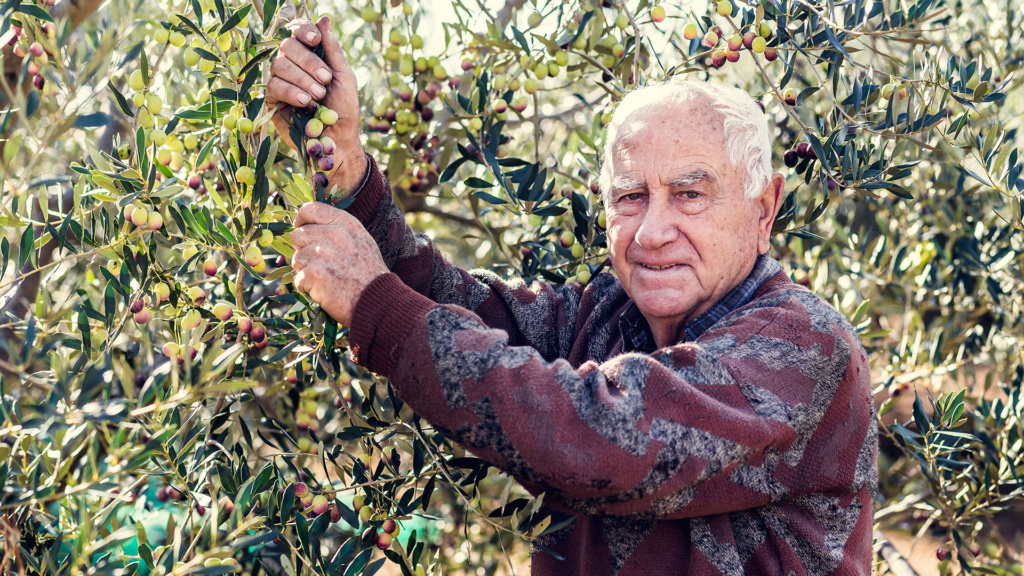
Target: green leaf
[[302, 531], [353, 432], [264, 153], [521, 39], [269, 11], [235, 19], [397, 558], [48, 180], [450, 170], [144, 67], [262, 481], [374, 567], [146, 553], [27, 253], [835, 41], [205, 151], [358, 562], [255, 61], [489, 198], [93, 120], [319, 526], [250, 540], [428, 489], [920, 418], [121, 102], [109, 306], [474, 182], [195, 29], [556, 526], [207, 55], [227, 479], [5, 252], [956, 408], [34, 11], [347, 514], [140, 143]]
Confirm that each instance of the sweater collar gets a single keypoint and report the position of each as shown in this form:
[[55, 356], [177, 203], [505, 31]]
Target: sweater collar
[[636, 332]]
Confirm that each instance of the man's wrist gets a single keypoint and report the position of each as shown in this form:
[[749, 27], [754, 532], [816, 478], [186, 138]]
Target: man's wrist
[[350, 169]]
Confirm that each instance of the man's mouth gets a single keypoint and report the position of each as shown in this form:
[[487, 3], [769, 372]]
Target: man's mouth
[[665, 267]]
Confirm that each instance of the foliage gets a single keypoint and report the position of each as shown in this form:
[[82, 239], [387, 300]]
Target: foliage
[[904, 208]]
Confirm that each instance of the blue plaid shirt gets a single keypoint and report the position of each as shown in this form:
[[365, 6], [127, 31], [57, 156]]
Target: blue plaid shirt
[[636, 332]]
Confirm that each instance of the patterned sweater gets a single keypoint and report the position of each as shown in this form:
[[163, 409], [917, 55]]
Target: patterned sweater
[[749, 450]]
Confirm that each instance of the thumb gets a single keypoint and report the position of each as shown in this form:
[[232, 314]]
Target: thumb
[[334, 56]]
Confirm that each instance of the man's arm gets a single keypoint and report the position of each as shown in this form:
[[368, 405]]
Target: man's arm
[[541, 315], [774, 403]]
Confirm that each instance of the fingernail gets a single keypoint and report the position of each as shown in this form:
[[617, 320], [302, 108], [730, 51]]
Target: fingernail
[[304, 98], [310, 36], [318, 91], [324, 75]]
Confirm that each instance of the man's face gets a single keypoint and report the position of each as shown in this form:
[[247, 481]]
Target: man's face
[[676, 200]]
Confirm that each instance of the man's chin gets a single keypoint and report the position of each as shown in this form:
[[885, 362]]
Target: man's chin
[[665, 304]]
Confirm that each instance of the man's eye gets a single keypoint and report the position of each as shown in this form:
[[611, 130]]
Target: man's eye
[[691, 195], [633, 197]]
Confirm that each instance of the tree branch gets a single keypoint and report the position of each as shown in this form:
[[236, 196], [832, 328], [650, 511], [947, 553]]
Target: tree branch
[[411, 203], [897, 563], [453, 217]]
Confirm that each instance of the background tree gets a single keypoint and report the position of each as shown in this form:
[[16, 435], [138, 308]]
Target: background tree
[[170, 405]]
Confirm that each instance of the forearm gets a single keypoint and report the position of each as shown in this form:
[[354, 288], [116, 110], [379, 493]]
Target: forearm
[[541, 315]]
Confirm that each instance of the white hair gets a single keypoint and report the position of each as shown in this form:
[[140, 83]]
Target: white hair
[[747, 139]]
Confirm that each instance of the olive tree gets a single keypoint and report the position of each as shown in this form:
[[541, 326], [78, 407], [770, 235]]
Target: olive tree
[[171, 405]]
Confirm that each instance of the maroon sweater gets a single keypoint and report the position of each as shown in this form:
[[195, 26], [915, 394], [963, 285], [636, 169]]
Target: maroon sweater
[[751, 450]]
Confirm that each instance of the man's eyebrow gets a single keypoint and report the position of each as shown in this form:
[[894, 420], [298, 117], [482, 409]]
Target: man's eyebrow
[[691, 178], [628, 183]]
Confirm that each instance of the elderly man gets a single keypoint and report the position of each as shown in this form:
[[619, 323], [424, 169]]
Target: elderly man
[[695, 413]]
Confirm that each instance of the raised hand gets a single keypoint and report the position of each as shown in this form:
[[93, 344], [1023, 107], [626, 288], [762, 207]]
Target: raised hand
[[299, 78]]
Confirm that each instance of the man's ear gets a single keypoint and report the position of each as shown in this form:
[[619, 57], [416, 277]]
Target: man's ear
[[768, 204]]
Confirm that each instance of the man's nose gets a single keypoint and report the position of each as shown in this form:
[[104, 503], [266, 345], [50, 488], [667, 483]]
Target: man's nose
[[659, 227]]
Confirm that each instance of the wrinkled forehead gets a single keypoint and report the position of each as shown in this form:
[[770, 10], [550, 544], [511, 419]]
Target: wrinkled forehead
[[686, 127], [676, 134]]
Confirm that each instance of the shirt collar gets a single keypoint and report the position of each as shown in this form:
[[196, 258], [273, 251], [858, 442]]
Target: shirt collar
[[636, 332]]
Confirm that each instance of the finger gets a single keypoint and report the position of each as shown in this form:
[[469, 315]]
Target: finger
[[305, 31], [307, 234], [333, 53], [280, 90], [308, 282], [310, 234], [301, 282], [283, 68], [310, 256], [320, 213], [299, 262], [305, 59]]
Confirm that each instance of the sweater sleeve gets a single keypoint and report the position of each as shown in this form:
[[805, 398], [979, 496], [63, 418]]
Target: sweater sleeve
[[772, 402], [540, 315]]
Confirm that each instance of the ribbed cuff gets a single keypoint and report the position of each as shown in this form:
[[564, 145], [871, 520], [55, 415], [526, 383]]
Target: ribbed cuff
[[368, 198], [384, 315]]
